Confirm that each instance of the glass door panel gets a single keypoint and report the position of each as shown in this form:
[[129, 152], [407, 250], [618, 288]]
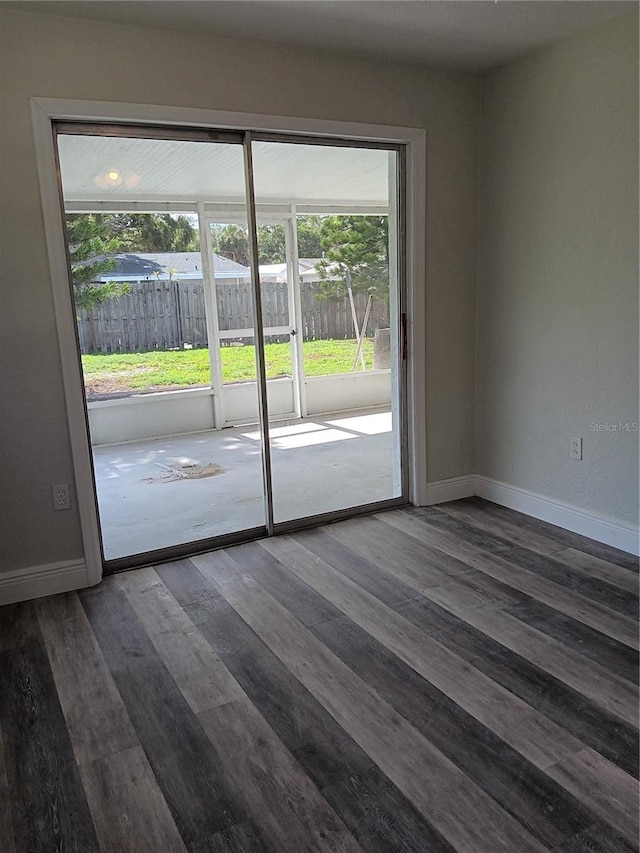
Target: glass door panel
[[345, 449], [157, 351]]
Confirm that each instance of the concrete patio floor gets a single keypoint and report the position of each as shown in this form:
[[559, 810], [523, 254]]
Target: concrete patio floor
[[168, 491]]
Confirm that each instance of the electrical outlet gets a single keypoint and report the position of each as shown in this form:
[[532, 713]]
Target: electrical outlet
[[575, 448], [60, 496]]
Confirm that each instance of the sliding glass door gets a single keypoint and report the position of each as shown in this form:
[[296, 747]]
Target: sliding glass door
[[239, 314]]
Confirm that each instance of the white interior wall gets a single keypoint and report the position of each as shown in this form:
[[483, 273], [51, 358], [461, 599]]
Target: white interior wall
[[558, 271], [48, 56], [557, 334]]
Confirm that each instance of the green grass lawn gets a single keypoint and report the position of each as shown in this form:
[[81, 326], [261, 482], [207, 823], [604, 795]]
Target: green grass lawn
[[140, 371]]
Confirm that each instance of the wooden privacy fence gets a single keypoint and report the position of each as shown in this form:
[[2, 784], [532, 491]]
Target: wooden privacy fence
[[166, 315]]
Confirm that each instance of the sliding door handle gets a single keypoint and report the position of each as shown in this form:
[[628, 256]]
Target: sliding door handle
[[403, 333]]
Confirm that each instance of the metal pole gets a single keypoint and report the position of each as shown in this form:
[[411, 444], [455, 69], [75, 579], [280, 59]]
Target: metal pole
[[263, 407], [354, 316], [362, 334], [211, 316], [179, 314], [295, 313]]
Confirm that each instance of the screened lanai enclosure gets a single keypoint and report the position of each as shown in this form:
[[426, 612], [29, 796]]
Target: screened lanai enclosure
[[235, 385]]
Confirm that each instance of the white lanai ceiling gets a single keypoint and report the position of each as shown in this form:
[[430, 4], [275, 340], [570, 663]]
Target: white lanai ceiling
[[161, 170]]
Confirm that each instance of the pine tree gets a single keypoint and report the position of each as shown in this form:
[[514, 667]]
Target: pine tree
[[356, 250], [90, 243]]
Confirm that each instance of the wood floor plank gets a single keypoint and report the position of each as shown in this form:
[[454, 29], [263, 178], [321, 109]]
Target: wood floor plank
[[445, 795], [293, 594], [470, 510], [613, 794], [187, 586], [199, 673], [477, 589], [380, 544], [312, 572], [539, 803], [507, 716], [96, 719], [600, 568], [568, 708], [382, 817], [599, 838], [148, 596], [327, 754], [472, 514], [592, 587], [589, 722], [584, 719], [6, 827], [189, 773], [48, 807], [360, 570], [562, 536], [239, 838], [615, 694], [19, 625], [603, 650], [288, 809], [129, 811], [573, 604], [380, 548], [586, 676]]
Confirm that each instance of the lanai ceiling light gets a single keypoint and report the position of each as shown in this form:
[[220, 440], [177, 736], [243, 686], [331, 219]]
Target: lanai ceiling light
[[114, 177]]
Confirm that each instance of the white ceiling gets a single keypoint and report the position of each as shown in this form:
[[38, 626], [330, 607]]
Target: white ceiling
[[473, 35], [160, 170]]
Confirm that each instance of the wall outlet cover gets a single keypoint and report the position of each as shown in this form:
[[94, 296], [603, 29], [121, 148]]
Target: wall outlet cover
[[60, 496], [575, 448]]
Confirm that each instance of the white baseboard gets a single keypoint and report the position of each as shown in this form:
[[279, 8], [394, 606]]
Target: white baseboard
[[452, 489], [598, 527], [37, 581]]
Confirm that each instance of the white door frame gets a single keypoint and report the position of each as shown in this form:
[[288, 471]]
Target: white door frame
[[207, 219], [46, 110], [211, 314], [295, 314]]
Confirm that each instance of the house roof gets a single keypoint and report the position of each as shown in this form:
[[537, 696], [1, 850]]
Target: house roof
[[136, 266], [278, 272]]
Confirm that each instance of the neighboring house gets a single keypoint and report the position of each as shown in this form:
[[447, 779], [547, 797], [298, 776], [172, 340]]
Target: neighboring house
[[138, 266], [278, 272]]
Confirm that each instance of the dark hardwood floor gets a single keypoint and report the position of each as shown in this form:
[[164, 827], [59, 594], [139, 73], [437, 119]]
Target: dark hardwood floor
[[459, 678]]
